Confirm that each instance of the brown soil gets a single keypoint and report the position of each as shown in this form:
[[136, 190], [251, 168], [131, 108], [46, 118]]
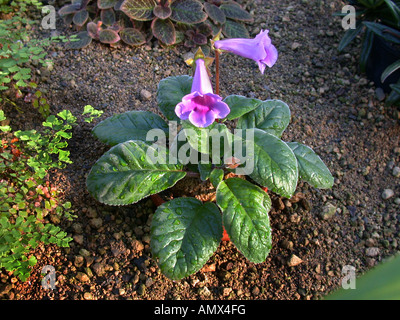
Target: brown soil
[[334, 111]]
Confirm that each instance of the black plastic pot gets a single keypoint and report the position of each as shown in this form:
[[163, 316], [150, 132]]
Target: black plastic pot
[[382, 55]]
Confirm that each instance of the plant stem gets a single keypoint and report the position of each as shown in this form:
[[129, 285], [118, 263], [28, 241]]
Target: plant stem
[[192, 174], [217, 72]]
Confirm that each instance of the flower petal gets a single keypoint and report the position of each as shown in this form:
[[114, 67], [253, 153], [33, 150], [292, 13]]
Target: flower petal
[[272, 56], [202, 118], [183, 109], [201, 81], [220, 109]]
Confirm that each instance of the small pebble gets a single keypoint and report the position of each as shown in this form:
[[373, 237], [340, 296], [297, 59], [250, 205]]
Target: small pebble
[[294, 261], [145, 95], [396, 172], [387, 194]]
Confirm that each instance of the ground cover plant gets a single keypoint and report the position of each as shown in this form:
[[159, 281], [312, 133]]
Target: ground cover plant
[[190, 22]]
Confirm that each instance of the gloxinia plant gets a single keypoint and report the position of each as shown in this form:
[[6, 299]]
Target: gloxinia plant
[[150, 153]]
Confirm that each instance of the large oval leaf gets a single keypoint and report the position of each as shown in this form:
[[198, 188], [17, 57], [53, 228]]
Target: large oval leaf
[[187, 11], [170, 92], [272, 116], [245, 210], [275, 165], [184, 235], [131, 125], [141, 10], [311, 168], [240, 105], [126, 173]]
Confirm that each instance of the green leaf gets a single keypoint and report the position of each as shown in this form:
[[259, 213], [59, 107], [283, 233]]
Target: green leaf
[[187, 11], [389, 70], [213, 140], [395, 10], [216, 176], [68, 9], [164, 31], [128, 172], [132, 36], [83, 40], [275, 165], [215, 13], [387, 33], [108, 36], [107, 16], [162, 12], [272, 116], [235, 12], [141, 10], [32, 261], [184, 235], [131, 125], [349, 36], [170, 92], [205, 170], [311, 168], [366, 48], [234, 29], [80, 17], [106, 4], [245, 210], [380, 283], [240, 105]]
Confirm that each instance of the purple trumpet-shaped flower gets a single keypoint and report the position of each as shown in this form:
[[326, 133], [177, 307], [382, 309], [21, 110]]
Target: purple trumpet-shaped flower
[[259, 49], [201, 107]]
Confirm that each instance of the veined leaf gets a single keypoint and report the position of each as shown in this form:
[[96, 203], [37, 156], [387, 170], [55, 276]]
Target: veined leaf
[[275, 165], [272, 116], [170, 92], [141, 10], [184, 235], [187, 11], [240, 105], [235, 12], [106, 4], [108, 36], [311, 168], [131, 125], [132, 36], [245, 210], [164, 31], [215, 13], [234, 29], [128, 172]]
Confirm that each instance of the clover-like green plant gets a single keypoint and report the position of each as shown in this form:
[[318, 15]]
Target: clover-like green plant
[[30, 206], [149, 154]]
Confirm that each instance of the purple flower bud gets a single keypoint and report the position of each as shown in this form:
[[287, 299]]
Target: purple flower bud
[[259, 49], [201, 107]]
